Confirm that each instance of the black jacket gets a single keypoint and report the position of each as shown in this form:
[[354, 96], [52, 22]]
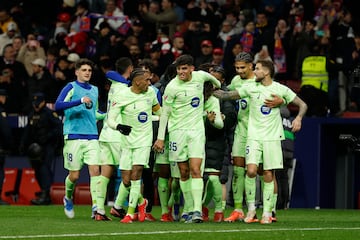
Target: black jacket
[[216, 139]]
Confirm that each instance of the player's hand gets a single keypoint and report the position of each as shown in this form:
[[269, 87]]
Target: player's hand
[[158, 146], [276, 101], [211, 116], [124, 129], [296, 124]]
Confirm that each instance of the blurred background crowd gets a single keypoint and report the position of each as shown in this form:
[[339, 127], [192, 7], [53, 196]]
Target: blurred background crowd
[[40, 40]]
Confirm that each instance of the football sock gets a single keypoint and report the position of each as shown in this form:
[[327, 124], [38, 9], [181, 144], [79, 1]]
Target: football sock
[[101, 193], [122, 196], [197, 187], [208, 192], [69, 188], [163, 190], [175, 193], [268, 194], [274, 201], [215, 181], [238, 185], [250, 190], [93, 190], [135, 192], [185, 187]]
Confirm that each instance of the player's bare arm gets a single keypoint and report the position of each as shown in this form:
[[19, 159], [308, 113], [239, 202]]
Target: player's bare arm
[[226, 95], [301, 113], [158, 145], [274, 102]]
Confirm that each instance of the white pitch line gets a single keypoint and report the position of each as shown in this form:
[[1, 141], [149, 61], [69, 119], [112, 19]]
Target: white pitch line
[[167, 232]]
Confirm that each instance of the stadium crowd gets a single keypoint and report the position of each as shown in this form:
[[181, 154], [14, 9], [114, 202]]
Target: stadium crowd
[[39, 49]]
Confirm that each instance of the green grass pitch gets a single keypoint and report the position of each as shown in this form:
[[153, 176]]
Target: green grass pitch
[[49, 222]]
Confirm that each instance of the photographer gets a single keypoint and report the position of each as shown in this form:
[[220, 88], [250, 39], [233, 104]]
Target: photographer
[[40, 138]]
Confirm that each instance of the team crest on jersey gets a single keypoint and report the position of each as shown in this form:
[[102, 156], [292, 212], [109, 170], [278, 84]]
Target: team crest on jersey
[[143, 117], [265, 110], [195, 102], [243, 104]]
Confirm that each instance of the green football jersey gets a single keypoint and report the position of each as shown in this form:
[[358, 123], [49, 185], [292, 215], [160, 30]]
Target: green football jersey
[[186, 101], [265, 123], [107, 133], [243, 113], [134, 110]]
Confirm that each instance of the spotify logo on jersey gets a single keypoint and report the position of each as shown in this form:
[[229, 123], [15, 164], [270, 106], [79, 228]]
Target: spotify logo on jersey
[[195, 102], [143, 117]]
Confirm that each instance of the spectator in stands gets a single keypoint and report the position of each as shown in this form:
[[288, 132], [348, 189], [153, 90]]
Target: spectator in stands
[[195, 34], [30, 51], [225, 34], [17, 42], [166, 20], [248, 36], [40, 81], [62, 73], [135, 54], [8, 36], [6, 140], [229, 60], [81, 15], [97, 6], [342, 46], [13, 78], [302, 43], [217, 57], [72, 58], [206, 53], [39, 141], [282, 55], [102, 41], [266, 33], [178, 46], [113, 15], [140, 32], [6, 19]]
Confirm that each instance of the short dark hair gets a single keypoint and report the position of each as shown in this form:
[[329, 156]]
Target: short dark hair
[[148, 64], [137, 72], [269, 65], [122, 64], [244, 57], [185, 59], [219, 69], [84, 61]]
